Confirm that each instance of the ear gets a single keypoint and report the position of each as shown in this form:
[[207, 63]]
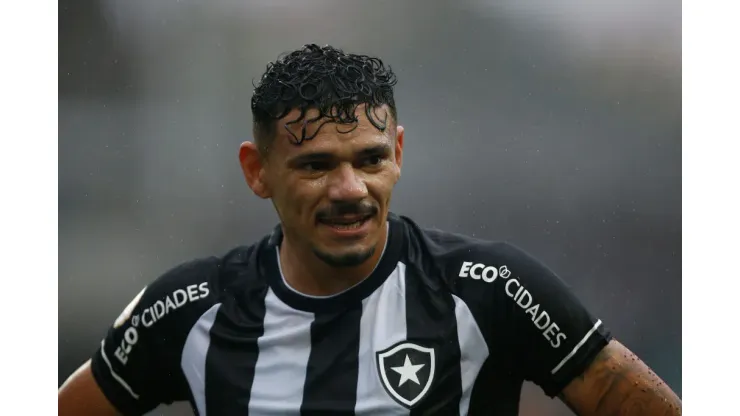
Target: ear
[[399, 147], [253, 168]]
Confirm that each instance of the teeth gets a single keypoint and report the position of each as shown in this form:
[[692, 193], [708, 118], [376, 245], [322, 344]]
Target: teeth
[[350, 226]]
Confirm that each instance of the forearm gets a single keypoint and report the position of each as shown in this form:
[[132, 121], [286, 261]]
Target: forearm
[[80, 395], [619, 383]]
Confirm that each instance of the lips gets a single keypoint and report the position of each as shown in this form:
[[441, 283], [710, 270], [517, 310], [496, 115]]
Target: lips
[[346, 222]]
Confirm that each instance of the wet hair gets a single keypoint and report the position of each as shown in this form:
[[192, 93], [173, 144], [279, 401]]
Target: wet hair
[[325, 79]]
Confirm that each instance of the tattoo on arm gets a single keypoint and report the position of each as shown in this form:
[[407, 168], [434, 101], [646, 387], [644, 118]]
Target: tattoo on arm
[[618, 383]]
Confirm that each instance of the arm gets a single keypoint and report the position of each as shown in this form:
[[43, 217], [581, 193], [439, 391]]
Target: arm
[[137, 366], [122, 375], [81, 395], [555, 342], [618, 383]]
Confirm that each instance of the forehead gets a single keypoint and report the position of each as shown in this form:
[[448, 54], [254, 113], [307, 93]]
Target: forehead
[[331, 137]]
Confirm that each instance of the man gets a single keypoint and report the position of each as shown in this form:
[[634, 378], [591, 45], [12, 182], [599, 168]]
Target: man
[[346, 308]]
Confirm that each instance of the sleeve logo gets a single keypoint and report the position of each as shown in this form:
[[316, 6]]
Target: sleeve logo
[[521, 296], [173, 301], [123, 317], [150, 315], [479, 271]]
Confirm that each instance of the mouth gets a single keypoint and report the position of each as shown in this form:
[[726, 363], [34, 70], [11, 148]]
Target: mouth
[[347, 222]]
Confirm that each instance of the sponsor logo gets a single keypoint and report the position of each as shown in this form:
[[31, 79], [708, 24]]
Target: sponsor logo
[[149, 316], [479, 271], [174, 301], [516, 290], [406, 371], [130, 338], [127, 311]]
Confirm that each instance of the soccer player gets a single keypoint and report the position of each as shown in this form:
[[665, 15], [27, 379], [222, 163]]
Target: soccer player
[[347, 308]]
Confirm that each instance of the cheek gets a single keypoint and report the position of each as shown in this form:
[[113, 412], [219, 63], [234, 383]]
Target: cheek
[[302, 197], [312, 188], [381, 186]]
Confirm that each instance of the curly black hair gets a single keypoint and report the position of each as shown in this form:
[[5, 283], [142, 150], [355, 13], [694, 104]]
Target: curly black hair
[[326, 79]]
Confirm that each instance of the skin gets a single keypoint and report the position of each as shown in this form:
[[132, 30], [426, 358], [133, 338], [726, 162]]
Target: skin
[[618, 383], [336, 172], [340, 173], [80, 395]]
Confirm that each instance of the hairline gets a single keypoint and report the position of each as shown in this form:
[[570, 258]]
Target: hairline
[[264, 143]]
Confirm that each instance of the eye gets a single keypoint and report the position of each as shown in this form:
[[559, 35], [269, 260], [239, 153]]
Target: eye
[[315, 166], [373, 160]]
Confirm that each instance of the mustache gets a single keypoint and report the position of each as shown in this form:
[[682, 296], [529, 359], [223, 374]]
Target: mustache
[[338, 209]]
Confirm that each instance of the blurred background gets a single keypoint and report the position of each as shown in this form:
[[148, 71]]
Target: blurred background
[[553, 125]]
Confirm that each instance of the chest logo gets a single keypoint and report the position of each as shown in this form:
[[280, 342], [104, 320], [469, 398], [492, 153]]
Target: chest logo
[[406, 371]]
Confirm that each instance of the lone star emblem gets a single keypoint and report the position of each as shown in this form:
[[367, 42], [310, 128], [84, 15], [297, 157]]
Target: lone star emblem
[[406, 372]]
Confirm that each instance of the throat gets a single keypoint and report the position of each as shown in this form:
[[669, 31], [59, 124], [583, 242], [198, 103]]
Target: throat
[[309, 276], [322, 281]]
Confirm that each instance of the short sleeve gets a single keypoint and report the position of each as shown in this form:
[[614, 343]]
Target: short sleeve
[[557, 337], [533, 317], [136, 364]]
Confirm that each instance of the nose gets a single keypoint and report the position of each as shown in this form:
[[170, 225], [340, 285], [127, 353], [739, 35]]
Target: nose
[[346, 185]]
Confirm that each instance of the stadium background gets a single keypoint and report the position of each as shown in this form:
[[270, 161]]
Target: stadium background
[[554, 125]]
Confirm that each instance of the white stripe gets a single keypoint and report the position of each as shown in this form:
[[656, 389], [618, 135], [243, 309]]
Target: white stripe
[[284, 349], [473, 351], [118, 378], [577, 347], [383, 324], [194, 353]]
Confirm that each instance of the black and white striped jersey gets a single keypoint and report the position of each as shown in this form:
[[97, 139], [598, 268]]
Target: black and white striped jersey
[[445, 325]]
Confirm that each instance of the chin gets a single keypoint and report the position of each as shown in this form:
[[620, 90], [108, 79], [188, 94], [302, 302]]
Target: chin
[[347, 257]]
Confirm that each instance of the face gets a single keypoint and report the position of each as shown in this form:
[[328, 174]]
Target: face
[[332, 192]]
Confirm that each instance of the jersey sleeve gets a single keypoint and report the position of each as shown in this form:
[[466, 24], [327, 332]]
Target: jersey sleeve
[[535, 318], [137, 363]]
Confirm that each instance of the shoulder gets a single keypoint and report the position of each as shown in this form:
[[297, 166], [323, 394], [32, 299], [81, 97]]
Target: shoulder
[[138, 362], [184, 292], [453, 256], [490, 277]]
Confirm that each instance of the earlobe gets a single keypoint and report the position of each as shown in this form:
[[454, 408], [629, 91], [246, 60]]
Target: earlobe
[[253, 169], [399, 147]]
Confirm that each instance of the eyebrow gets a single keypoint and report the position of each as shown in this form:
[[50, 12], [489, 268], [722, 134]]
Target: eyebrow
[[310, 157], [381, 149]]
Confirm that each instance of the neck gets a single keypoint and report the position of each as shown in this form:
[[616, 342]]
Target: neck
[[311, 276]]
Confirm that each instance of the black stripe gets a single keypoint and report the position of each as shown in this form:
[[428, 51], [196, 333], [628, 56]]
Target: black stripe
[[430, 322], [331, 376], [233, 351], [496, 391]]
